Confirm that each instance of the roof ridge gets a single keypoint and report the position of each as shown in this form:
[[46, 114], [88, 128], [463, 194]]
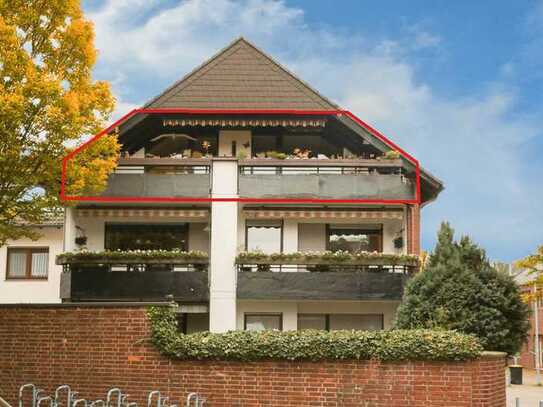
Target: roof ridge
[[295, 81]]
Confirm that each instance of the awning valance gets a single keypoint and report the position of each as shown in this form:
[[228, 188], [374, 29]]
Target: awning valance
[[144, 213], [320, 214], [278, 122]]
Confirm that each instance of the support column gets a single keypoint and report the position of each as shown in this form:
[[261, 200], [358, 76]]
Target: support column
[[290, 236], [413, 229], [70, 231], [224, 235]]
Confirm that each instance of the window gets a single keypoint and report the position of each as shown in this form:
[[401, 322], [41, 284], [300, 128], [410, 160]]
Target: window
[[27, 263], [146, 236], [188, 143], [334, 322], [262, 322], [264, 236], [313, 321], [367, 238], [189, 323], [362, 322]]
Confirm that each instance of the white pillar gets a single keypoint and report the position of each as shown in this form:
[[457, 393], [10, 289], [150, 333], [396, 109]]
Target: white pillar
[[224, 236], [70, 231], [537, 346], [290, 236]]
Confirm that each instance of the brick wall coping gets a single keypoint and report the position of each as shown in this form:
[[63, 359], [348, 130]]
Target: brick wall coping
[[87, 304], [493, 355]]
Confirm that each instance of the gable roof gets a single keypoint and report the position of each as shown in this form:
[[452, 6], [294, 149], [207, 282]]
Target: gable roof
[[241, 76]]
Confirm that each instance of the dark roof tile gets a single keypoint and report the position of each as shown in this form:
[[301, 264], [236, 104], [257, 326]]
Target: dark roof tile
[[241, 77]]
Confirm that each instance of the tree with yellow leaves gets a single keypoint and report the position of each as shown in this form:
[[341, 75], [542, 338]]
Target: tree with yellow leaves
[[48, 102], [534, 265]]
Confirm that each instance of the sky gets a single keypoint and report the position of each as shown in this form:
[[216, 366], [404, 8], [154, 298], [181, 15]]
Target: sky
[[458, 84]]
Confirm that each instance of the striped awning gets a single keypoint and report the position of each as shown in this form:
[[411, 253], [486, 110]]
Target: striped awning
[[280, 122], [320, 214], [144, 213]]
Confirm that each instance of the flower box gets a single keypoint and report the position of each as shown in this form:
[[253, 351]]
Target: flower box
[[133, 257]]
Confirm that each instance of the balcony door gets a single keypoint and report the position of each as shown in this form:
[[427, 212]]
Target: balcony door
[[264, 236]]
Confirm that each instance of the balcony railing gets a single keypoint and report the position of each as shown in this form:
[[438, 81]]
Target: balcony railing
[[150, 177], [264, 178], [329, 179], [118, 276], [320, 166], [323, 277]]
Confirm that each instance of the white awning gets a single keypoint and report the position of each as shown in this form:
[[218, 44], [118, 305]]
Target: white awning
[[245, 122], [143, 213], [321, 214]]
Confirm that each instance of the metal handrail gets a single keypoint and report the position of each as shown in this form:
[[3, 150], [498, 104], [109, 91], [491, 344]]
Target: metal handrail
[[4, 403]]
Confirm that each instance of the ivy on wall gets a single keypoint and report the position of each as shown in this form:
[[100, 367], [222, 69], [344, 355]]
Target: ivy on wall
[[311, 345]]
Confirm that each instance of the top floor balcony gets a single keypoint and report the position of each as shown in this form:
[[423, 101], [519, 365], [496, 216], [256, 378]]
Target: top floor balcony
[[289, 178], [274, 157]]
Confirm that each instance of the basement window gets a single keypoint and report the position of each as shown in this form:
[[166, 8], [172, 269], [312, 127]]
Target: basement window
[[335, 322], [263, 322]]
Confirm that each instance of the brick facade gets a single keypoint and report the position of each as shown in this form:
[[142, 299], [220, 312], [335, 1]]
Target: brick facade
[[527, 357], [413, 229], [93, 348]]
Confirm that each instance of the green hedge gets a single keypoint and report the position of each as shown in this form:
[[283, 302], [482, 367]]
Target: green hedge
[[309, 345]]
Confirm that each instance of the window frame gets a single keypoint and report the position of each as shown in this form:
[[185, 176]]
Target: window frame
[[28, 250], [328, 315], [281, 227], [359, 228], [326, 319], [263, 314], [109, 225]]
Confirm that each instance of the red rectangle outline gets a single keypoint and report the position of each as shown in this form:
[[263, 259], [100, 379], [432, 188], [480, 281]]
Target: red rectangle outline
[[371, 130]]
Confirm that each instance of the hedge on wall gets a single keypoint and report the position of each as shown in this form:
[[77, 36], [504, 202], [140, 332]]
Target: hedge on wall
[[310, 345]]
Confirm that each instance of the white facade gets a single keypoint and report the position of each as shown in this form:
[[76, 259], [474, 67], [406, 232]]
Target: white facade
[[224, 230], [33, 290], [289, 310]]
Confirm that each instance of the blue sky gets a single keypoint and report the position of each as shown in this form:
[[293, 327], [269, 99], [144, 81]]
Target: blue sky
[[457, 84]]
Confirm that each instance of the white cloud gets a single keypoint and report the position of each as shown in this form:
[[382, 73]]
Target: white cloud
[[473, 143]]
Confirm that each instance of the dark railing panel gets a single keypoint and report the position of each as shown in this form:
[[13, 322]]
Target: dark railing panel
[[372, 186], [172, 185], [266, 285], [103, 285]]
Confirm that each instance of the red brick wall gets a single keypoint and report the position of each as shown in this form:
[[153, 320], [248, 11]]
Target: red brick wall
[[413, 229], [527, 358], [95, 348]]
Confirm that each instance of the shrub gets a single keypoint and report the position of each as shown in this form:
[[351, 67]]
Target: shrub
[[392, 155], [312, 345], [460, 290]]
